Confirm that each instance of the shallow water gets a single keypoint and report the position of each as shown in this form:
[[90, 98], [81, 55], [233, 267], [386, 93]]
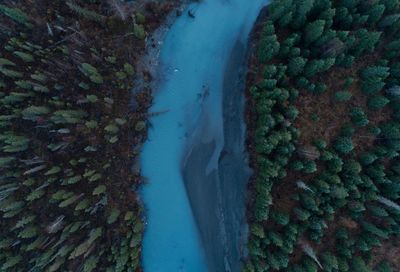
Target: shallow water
[[194, 60]]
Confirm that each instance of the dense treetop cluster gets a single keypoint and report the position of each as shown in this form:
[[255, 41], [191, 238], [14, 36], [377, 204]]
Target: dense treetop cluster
[[68, 137], [324, 114]]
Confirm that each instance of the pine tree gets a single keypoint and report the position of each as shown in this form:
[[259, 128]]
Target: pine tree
[[375, 13], [314, 30], [358, 117], [296, 66], [17, 15], [369, 227], [277, 10], [342, 96], [389, 20], [373, 79], [303, 7], [344, 145], [367, 41], [282, 218], [359, 265], [329, 262], [384, 266], [377, 102], [268, 47], [367, 158]]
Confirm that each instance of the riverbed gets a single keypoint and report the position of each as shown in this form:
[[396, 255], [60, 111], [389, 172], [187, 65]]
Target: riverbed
[[195, 159]]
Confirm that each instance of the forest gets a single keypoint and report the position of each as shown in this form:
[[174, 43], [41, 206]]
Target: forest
[[323, 134], [69, 133], [323, 112]]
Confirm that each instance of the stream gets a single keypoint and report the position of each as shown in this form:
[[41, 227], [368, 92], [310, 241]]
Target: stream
[[195, 159]]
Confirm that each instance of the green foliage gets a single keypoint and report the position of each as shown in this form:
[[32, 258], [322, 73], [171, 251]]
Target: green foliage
[[114, 214], [384, 266], [296, 66], [343, 96], [358, 117], [344, 145], [268, 47], [359, 265], [314, 30], [367, 41], [17, 15], [373, 79], [139, 32], [68, 116], [374, 230], [281, 218], [278, 9], [302, 9], [318, 66], [375, 13], [329, 262], [91, 72], [32, 113], [377, 102], [91, 15], [54, 152]]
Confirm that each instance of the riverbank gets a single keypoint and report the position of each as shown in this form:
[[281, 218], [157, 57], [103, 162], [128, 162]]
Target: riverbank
[[67, 133], [318, 120]]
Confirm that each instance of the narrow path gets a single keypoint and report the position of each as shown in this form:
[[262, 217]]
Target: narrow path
[[198, 142]]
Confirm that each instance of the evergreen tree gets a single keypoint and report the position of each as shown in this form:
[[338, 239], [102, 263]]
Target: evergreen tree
[[377, 102], [277, 10], [373, 79], [375, 13], [358, 117], [367, 158], [384, 266], [268, 47], [344, 145], [342, 96], [389, 20], [303, 7], [296, 66], [359, 265], [313, 31], [329, 262], [367, 41], [317, 66]]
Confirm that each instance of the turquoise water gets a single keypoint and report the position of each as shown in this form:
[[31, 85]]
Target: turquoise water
[[193, 61]]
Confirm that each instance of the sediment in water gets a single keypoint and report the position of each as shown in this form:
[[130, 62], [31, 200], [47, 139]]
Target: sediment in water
[[222, 190]]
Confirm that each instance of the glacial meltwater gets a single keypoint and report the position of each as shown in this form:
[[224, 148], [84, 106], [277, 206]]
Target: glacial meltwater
[[194, 159]]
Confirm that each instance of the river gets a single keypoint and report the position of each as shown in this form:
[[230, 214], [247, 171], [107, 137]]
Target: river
[[195, 159]]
